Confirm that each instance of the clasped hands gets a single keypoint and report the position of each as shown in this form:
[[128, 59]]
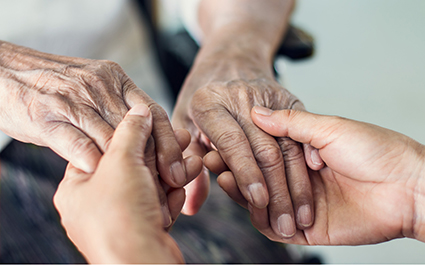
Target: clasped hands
[[362, 184]]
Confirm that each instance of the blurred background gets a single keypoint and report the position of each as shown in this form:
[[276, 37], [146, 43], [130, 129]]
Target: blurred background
[[368, 65]]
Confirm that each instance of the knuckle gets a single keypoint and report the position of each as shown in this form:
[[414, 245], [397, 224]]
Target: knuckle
[[291, 150], [229, 141], [159, 114], [204, 99], [80, 147], [282, 200], [268, 156]]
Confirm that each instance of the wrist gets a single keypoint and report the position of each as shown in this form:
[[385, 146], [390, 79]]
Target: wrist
[[222, 60], [419, 200]]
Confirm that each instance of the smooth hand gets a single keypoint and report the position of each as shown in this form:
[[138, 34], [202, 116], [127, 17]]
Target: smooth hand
[[114, 214], [372, 186]]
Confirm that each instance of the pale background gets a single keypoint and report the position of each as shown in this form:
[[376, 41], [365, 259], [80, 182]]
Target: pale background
[[369, 65]]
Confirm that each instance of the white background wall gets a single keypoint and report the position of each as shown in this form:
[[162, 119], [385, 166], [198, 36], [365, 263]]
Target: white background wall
[[369, 65]]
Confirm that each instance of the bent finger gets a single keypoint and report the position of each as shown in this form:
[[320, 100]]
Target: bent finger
[[75, 146], [169, 154], [227, 182], [312, 157], [196, 191], [215, 163]]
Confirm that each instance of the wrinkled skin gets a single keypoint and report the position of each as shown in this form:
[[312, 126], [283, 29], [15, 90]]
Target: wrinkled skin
[[218, 118], [73, 106], [114, 214]]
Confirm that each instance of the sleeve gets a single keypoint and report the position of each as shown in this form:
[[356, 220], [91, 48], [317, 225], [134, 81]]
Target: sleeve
[[189, 15]]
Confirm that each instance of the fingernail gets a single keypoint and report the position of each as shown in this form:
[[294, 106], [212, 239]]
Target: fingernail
[[304, 215], [315, 157], [178, 174], [263, 111], [285, 225], [258, 194], [166, 216], [140, 110]]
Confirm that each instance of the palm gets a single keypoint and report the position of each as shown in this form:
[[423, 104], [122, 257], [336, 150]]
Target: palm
[[351, 212]]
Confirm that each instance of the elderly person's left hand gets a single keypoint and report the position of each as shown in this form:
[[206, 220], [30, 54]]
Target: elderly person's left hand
[[114, 214]]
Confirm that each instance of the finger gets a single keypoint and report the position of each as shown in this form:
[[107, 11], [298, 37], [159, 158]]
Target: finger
[[260, 221], [150, 161], [74, 146], [132, 134], [298, 182], [300, 126], [176, 198], [235, 149], [196, 191], [182, 137], [95, 126], [215, 163], [312, 157], [271, 161], [169, 154], [228, 183]]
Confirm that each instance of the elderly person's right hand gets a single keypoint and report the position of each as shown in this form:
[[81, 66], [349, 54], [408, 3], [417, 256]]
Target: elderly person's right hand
[[73, 106]]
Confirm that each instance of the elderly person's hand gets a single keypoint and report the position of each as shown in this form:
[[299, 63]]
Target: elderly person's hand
[[114, 215], [231, 74], [371, 188], [73, 105]]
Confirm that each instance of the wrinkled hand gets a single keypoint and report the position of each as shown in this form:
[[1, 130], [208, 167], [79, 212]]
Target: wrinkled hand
[[371, 188], [270, 173], [73, 105], [114, 215]]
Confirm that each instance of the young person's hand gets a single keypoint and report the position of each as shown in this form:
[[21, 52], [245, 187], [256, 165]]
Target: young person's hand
[[371, 188], [114, 214]]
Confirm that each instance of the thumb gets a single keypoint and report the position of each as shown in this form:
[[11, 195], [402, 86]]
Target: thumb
[[300, 126], [132, 134]]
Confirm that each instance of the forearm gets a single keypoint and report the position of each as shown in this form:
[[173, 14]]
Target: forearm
[[250, 25], [240, 38]]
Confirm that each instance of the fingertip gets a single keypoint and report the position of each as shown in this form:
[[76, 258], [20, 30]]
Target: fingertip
[[272, 122], [305, 216], [182, 137], [258, 195], [178, 173], [214, 162], [313, 158], [194, 167], [140, 110]]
